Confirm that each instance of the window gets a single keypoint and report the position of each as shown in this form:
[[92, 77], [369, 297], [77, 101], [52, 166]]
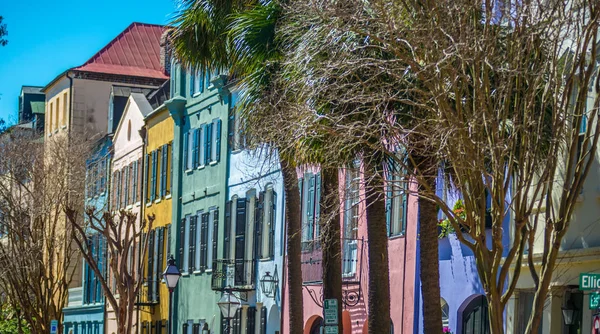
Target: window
[[190, 154], [146, 178], [446, 313], [207, 143], [156, 246], [103, 164], [215, 153], [396, 200], [310, 191], [65, 109], [126, 187], [163, 170], [153, 176], [58, 115], [117, 187], [198, 241], [51, 118], [237, 140], [268, 202], [524, 308], [196, 83], [92, 291], [201, 145], [351, 218], [128, 130], [134, 178], [186, 244]]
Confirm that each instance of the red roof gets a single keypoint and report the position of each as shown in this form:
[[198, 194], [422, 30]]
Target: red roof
[[135, 52]]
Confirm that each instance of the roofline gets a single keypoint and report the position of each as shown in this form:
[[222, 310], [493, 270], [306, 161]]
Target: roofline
[[132, 24], [45, 88], [155, 112], [126, 110]]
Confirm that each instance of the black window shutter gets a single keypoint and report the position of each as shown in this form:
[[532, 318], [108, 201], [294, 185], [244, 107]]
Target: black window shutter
[[227, 232], [258, 229], [318, 207], [196, 329], [185, 328], [184, 164], [168, 241], [240, 241], [192, 249], [271, 225], [207, 143], [181, 241], [215, 236], [251, 320], [159, 260], [150, 264], [145, 181], [204, 241], [263, 320]]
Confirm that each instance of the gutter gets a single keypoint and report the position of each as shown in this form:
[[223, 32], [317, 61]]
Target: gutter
[[70, 99]]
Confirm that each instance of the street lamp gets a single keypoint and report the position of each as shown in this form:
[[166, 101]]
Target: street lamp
[[268, 284], [229, 305], [569, 312], [171, 276]]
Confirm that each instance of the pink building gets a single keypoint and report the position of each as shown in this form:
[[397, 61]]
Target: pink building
[[401, 212]]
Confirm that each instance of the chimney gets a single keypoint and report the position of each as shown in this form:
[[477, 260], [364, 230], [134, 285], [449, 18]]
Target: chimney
[[165, 51]]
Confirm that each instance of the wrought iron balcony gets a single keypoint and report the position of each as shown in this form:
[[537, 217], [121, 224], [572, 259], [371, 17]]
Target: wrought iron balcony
[[237, 275], [149, 293]]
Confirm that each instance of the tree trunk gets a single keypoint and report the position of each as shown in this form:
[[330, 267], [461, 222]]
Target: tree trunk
[[379, 273], [294, 246], [429, 257], [331, 238]]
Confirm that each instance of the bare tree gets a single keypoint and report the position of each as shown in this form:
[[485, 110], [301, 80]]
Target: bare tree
[[125, 245], [495, 95], [35, 251]]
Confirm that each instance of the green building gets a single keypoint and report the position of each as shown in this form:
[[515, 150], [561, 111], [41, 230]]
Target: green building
[[199, 106]]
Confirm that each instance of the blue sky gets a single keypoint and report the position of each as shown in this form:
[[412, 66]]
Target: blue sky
[[47, 37]]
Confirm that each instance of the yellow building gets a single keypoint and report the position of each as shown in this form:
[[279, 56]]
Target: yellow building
[[154, 296]]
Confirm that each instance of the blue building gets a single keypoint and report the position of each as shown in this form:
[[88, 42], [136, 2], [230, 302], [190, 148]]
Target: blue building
[[84, 313]]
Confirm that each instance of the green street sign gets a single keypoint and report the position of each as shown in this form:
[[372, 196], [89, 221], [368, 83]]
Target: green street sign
[[330, 309], [332, 330], [589, 281], [594, 301]]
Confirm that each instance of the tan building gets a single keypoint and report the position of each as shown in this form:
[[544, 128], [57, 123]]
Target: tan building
[[78, 108]]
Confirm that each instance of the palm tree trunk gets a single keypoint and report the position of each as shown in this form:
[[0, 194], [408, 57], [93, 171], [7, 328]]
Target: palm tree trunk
[[294, 246], [429, 255], [330, 239], [379, 271]]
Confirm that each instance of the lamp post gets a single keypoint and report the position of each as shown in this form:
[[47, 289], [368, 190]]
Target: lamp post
[[569, 312], [229, 305], [268, 284], [171, 276]]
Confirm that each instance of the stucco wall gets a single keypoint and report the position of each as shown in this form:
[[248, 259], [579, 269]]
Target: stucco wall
[[159, 132], [249, 170]]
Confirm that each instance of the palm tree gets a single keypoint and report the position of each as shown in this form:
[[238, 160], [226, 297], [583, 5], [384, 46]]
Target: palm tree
[[239, 36]]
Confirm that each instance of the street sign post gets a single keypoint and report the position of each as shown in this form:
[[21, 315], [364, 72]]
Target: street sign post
[[330, 310], [589, 281], [594, 300], [53, 326]]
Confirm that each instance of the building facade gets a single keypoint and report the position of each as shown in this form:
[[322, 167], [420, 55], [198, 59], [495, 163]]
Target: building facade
[[84, 313], [153, 300], [200, 112], [32, 107], [401, 215], [252, 262]]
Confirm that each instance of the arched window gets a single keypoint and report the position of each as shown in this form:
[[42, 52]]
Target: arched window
[[475, 317], [445, 313], [129, 130]]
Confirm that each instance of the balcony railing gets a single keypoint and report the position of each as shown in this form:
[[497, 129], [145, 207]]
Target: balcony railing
[[237, 275], [149, 293], [312, 262]]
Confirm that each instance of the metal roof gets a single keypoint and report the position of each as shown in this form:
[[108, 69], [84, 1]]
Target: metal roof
[[38, 107], [134, 52]]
